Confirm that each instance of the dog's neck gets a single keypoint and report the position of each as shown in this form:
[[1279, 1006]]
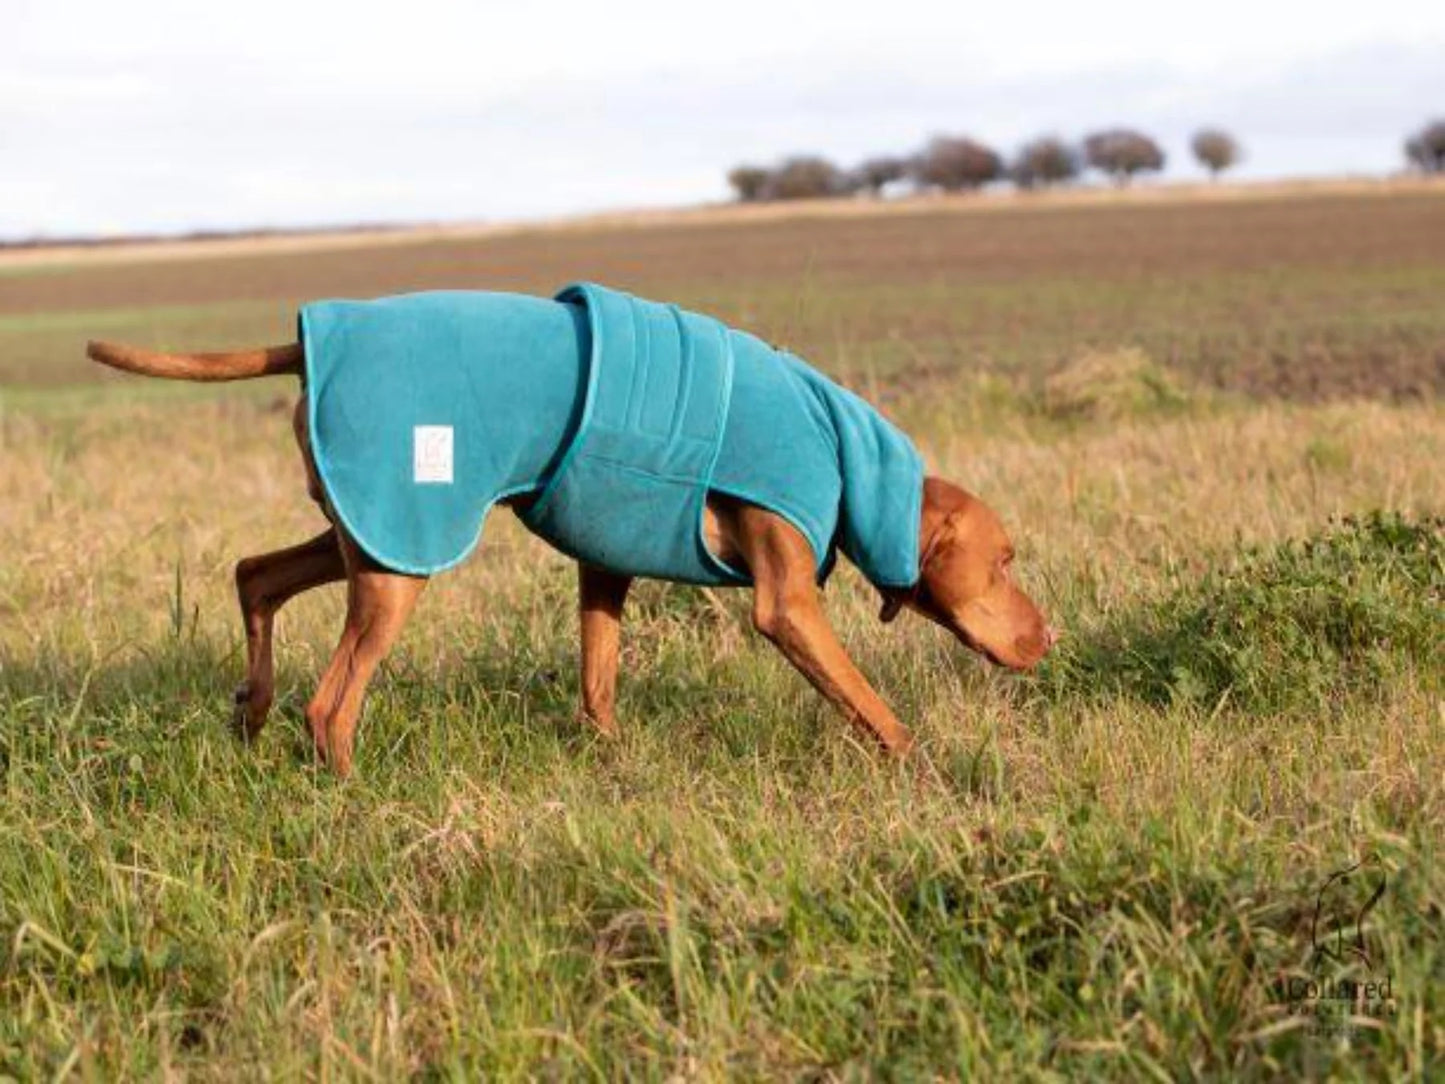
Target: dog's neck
[[941, 501]]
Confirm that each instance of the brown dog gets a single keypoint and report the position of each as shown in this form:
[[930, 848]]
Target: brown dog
[[964, 585]]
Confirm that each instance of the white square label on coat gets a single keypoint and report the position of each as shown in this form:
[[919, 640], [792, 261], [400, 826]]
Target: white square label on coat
[[432, 454]]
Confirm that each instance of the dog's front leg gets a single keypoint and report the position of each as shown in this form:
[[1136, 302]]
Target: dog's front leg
[[263, 585], [378, 604], [788, 610], [601, 596]]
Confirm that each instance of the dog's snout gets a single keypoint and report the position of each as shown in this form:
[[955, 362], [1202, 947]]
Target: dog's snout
[[1051, 635]]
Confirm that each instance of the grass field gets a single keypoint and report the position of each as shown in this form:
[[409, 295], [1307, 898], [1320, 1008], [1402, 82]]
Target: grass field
[[1215, 431]]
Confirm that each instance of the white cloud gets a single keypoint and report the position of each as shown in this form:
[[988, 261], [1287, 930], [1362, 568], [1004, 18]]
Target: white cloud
[[159, 114]]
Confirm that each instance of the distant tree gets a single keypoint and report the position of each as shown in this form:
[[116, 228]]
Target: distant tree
[[1426, 148], [955, 163], [1045, 161], [1123, 152], [749, 182], [1216, 150], [874, 174], [804, 177]]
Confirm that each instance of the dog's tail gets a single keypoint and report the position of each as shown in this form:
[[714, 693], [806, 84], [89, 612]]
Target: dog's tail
[[240, 365]]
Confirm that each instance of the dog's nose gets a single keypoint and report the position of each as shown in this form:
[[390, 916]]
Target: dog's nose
[[1051, 635]]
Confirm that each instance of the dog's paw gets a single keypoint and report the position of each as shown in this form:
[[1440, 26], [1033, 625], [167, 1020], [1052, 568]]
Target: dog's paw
[[605, 727]]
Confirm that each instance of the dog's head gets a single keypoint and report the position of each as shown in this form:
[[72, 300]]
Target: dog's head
[[965, 582]]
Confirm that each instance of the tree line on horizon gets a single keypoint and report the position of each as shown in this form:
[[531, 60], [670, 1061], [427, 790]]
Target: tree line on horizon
[[1425, 150], [961, 163]]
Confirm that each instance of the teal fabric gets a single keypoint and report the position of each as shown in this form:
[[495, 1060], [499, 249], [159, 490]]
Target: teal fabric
[[620, 414], [505, 372], [630, 491], [822, 457]]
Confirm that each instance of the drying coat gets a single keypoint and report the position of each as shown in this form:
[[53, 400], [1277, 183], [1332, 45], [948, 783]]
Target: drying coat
[[617, 415]]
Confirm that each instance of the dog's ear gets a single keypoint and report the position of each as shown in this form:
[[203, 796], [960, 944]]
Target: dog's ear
[[892, 603]]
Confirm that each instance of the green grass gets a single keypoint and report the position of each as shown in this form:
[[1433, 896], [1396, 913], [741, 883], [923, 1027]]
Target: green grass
[[1096, 877], [1108, 869], [1305, 626], [730, 891]]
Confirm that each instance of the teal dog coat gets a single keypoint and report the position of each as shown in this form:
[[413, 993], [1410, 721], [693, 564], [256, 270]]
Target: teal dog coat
[[617, 416]]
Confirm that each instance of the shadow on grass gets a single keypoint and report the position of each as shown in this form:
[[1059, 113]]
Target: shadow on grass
[[514, 699], [171, 685], [1306, 625]]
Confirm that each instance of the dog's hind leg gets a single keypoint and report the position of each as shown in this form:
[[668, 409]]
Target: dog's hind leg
[[788, 610], [601, 595], [378, 604], [263, 585]]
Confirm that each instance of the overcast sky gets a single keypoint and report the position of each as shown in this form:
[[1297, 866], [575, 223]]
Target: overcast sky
[[168, 115]]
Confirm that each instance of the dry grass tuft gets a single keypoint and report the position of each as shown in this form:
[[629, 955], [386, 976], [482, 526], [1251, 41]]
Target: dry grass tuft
[[1108, 385]]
